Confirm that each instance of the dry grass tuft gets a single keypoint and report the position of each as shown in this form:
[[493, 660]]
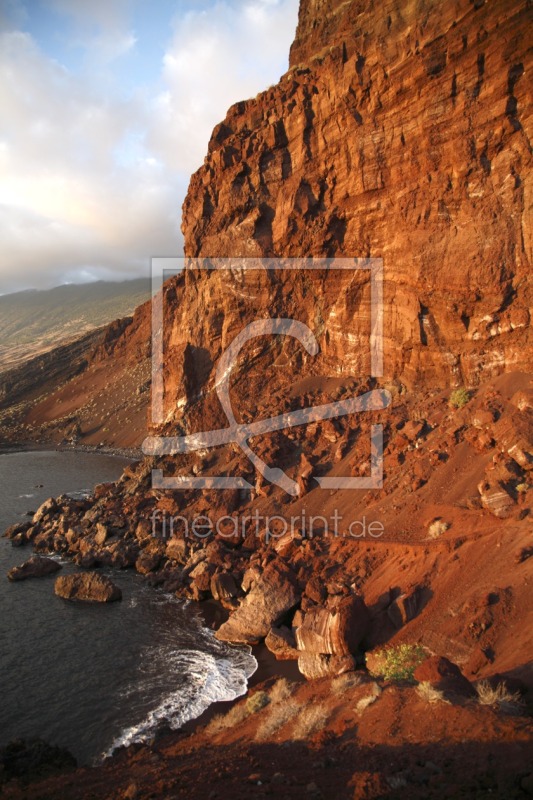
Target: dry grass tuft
[[437, 528], [348, 680], [311, 719], [238, 713], [500, 696], [430, 694], [281, 690], [278, 716], [366, 701], [222, 722]]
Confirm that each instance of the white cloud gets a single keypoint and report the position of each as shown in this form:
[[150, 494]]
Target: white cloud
[[216, 58], [92, 182]]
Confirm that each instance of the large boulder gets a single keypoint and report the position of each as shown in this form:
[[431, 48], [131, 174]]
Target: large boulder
[[337, 630], [17, 529], [318, 665], [35, 567], [496, 499], [280, 642], [88, 586], [404, 608], [274, 594], [443, 675]]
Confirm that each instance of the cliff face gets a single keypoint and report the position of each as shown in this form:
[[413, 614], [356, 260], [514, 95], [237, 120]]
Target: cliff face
[[402, 131]]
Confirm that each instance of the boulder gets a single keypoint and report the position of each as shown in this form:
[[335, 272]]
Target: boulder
[[49, 506], [88, 586], [335, 631], [224, 587], [404, 608], [272, 597], [201, 576], [443, 675], [280, 642], [35, 567], [177, 550], [19, 528], [496, 499], [101, 534], [148, 562], [318, 665]]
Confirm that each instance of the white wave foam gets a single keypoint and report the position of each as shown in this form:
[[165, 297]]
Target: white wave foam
[[204, 677]]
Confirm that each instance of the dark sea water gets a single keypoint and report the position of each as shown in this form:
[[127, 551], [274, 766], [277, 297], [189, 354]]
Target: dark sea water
[[92, 677]]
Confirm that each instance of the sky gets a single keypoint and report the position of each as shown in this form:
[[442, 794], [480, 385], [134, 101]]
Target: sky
[[106, 109]]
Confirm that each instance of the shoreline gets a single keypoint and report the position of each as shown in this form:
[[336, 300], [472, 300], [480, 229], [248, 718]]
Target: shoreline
[[268, 671], [135, 454]]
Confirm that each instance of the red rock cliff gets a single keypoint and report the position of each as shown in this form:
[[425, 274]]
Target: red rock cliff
[[401, 130]]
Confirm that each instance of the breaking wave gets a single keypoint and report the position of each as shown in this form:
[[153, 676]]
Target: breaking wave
[[182, 681]]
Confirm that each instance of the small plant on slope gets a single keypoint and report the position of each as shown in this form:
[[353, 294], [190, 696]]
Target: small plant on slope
[[430, 694], [498, 696], [398, 662], [459, 397], [437, 528]]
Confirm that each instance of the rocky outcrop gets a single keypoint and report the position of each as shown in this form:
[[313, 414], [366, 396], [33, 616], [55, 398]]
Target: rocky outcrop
[[280, 641], [443, 675], [87, 586], [401, 132], [327, 638], [29, 759], [34, 567], [272, 597], [336, 630]]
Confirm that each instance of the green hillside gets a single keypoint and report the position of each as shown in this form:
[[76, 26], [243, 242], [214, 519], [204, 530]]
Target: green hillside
[[32, 322]]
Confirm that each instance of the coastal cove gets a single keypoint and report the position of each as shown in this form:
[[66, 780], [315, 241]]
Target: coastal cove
[[92, 677]]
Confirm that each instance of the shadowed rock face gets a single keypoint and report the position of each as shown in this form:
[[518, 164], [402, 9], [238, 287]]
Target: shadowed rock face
[[402, 131], [34, 567]]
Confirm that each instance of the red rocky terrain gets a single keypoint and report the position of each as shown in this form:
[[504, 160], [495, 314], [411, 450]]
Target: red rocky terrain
[[400, 131]]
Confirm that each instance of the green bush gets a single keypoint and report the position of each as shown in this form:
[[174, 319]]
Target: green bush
[[459, 397], [257, 701], [398, 662]]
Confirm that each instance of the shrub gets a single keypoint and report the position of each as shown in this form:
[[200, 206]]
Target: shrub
[[430, 694], [279, 715], [257, 701], [500, 696], [398, 662], [310, 720], [437, 528], [281, 690], [459, 397], [231, 719]]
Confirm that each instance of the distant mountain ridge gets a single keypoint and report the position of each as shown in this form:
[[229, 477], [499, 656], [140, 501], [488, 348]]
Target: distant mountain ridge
[[33, 322]]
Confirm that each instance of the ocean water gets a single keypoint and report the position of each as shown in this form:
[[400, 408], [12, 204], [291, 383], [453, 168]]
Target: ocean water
[[94, 677]]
